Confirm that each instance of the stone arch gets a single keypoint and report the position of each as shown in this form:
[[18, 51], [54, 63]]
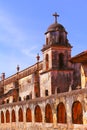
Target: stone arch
[[77, 113], [38, 114], [13, 116], [2, 117], [28, 115], [47, 61], [48, 114], [61, 61], [20, 115], [61, 113], [7, 116]]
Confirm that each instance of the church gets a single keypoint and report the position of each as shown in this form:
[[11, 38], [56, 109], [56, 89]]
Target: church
[[52, 93]]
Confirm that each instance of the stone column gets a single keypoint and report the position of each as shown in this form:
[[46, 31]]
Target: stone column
[[69, 111], [33, 118], [43, 113], [16, 114], [0, 116], [54, 115], [4, 117], [24, 117], [54, 120], [10, 118], [57, 36]]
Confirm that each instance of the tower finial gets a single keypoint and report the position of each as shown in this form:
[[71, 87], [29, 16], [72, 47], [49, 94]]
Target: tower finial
[[55, 15], [18, 68], [38, 57]]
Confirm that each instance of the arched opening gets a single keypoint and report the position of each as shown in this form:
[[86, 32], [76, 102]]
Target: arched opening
[[46, 92], [14, 100], [61, 113], [2, 117], [27, 97], [61, 38], [28, 115], [46, 40], [77, 115], [38, 114], [61, 61], [20, 115], [7, 101], [48, 114], [7, 116], [13, 116], [19, 98], [47, 61]]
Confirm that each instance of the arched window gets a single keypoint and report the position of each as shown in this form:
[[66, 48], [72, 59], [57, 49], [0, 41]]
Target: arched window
[[14, 100], [46, 92], [27, 97], [61, 61], [13, 116], [48, 114], [61, 38], [47, 61], [77, 114], [7, 100], [28, 115], [61, 113], [2, 117], [20, 115], [19, 98], [38, 114], [7, 116], [46, 40]]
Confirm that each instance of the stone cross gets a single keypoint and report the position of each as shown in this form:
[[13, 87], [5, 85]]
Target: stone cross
[[55, 15]]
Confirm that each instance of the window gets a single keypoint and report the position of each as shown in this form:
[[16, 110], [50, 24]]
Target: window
[[27, 97], [46, 41], [58, 90], [61, 37], [14, 100], [3, 102], [7, 100], [46, 92], [61, 61], [19, 98], [47, 61]]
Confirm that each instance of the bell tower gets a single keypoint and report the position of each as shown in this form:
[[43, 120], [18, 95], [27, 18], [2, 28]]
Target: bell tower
[[56, 54]]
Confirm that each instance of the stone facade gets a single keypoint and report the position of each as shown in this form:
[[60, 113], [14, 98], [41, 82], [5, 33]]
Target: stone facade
[[49, 95]]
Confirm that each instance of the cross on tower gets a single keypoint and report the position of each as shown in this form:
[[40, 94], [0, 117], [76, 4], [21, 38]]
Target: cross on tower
[[55, 15]]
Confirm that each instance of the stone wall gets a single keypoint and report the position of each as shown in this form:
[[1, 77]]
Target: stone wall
[[68, 99]]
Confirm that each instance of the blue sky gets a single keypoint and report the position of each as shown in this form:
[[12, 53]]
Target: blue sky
[[24, 22]]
